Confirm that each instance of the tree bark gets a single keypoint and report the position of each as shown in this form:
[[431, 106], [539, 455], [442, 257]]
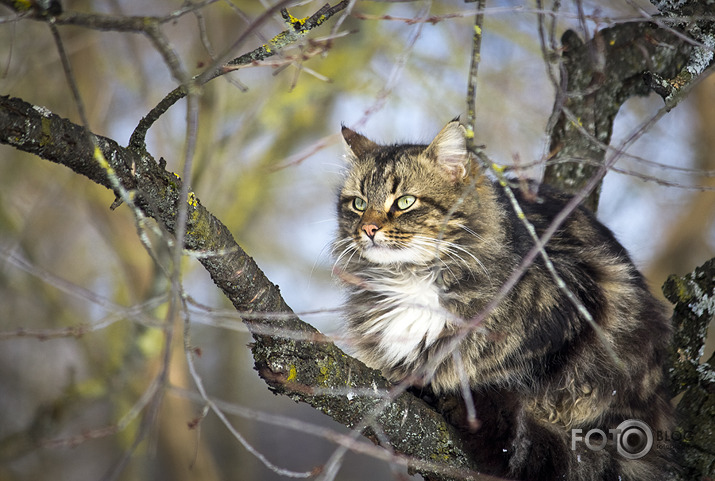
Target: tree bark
[[694, 299], [597, 77]]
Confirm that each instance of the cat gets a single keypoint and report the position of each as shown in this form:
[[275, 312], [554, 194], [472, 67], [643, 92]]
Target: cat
[[426, 240]]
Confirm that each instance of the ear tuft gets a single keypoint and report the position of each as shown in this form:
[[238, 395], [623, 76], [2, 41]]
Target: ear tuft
[[357, 144], [449, 150]]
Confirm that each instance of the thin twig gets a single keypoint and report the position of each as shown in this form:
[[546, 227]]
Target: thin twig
[[223, 65], [189, 351], [472, 78], [547, 53], [395, 73], [152, 401], [350, 442], [69, 76]]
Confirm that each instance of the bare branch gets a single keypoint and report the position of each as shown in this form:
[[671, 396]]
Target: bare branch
[[298, 28], [473, 71], [98, 21]]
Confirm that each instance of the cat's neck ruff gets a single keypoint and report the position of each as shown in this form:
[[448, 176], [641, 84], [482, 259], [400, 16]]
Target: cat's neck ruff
[[407, 315]]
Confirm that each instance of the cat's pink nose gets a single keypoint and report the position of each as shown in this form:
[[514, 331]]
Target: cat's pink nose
[[370, 230]]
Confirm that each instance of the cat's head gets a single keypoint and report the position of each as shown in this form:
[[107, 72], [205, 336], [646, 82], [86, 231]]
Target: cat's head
[[404, 204]]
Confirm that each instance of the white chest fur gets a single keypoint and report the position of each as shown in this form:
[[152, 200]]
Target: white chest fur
[[408, 316]]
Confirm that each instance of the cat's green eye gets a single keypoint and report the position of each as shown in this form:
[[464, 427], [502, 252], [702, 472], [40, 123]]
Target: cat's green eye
[[406, 201], [359, 204]]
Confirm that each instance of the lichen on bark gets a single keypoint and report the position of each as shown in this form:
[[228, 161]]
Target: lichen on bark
[[594, 92], [690, 374]]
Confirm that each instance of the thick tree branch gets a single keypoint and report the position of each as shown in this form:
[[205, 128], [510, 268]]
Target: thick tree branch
[[597, 78], [694, 299], [702, 56], [297, 361]]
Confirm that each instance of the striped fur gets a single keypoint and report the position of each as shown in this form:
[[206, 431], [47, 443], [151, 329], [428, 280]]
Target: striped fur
[[420, 279]]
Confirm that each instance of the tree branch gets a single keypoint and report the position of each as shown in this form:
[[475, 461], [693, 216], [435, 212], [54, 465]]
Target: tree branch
[[297, 29], [300, 363], [150, 26], [694, 299], [597, 78]]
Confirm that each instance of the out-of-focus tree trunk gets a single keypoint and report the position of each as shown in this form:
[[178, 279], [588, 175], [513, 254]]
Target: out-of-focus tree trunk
[[690, 240]]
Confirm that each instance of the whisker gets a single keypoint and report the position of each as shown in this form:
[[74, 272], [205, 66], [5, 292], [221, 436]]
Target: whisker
[[476, 259], [351, 248], [428, 245], [470, 231], [451, 250]]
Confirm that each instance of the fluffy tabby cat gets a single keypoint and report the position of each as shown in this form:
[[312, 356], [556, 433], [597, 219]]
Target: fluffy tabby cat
[[426, 241]]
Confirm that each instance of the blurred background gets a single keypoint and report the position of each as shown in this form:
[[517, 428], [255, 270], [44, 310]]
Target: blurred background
[[82, 304]]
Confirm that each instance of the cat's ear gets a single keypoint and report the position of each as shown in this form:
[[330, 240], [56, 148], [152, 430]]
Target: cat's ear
[[449, 150], [357, 144]]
